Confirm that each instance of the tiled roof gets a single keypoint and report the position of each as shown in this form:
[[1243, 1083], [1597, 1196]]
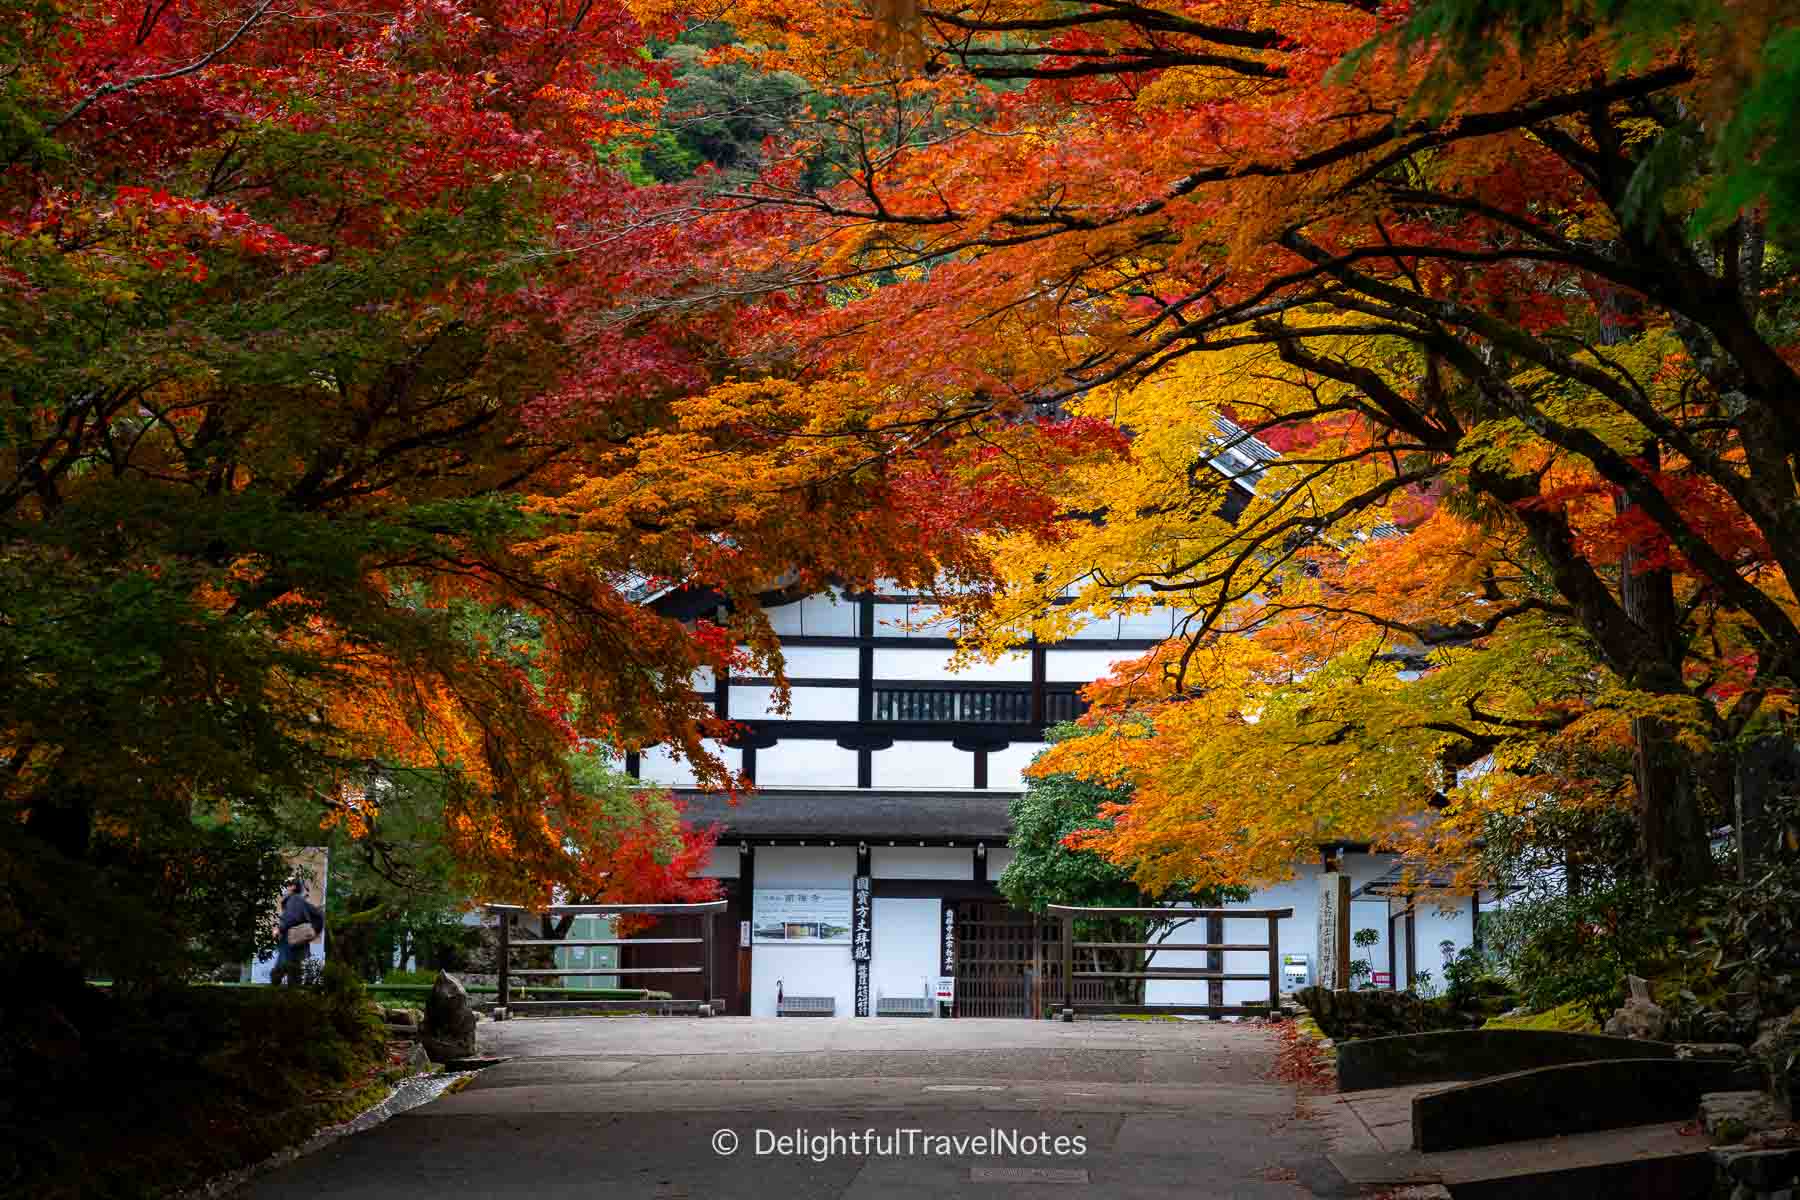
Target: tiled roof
[[847, 813]]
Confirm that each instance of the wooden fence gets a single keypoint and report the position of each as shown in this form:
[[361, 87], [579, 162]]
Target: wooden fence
[[1069, 914], [705, 914]]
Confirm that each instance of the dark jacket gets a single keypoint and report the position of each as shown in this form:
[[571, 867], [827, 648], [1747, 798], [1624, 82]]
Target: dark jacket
[[296, 910]]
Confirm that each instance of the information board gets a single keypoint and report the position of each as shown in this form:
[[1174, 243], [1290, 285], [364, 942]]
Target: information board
[[804, 916]]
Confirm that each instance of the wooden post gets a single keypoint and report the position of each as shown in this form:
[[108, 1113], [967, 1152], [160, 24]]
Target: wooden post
[[504, 1000], [1274, 965], [1215, 961], [707, 921], [1068, 957]]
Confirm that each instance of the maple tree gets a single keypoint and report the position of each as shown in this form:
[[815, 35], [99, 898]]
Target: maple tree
[[334, 447], [1520, 292], [1048, 866]]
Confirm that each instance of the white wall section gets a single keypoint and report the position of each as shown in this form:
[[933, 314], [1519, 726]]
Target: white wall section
[[921, 862], [659, 765], [904, 954], [923, 765], [803, 970], [805, 762], [805, 866], [919, 663], [1006, 768]]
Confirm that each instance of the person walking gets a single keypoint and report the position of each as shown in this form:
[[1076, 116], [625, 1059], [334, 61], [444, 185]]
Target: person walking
[[301, 924]]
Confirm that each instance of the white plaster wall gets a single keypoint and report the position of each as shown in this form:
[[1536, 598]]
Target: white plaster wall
[[1082, 666], [922, 664], [1299, 935], [785, 619], [722, 863], [1153, 624], [904, 955], [804, 704], [828, 614], [1095, 629], [820, 662], [1006, 768], [803, 970], [805, 762], [1370, 912], [1434, 926], [997, 860], [932, 765], [913, 620], [805, 866], [921, 862], [658, 764], [890, 620], [925, 622]]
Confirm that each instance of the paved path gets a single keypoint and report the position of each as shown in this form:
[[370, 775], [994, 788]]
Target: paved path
[[597, 1108]]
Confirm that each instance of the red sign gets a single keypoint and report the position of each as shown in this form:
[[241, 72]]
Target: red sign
[[1382, 979]]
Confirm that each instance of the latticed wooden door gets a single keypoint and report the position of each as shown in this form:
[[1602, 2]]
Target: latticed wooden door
[[1007, 962]]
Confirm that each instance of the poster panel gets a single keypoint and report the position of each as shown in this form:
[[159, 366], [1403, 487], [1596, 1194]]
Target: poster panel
[[801, 916]]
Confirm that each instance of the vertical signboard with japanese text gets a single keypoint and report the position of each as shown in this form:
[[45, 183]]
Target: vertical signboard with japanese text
[[862, 909]]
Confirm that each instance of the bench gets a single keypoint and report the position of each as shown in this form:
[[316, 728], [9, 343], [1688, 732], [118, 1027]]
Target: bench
[[806, 1006], [903, 1006]]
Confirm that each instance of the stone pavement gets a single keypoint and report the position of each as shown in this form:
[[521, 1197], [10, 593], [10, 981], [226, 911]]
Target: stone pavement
[[869, 1109]]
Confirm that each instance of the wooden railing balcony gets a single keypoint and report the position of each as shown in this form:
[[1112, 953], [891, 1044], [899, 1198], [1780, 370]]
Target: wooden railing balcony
[[983, 705]]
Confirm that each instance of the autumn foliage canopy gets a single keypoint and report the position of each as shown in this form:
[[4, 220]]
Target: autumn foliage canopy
[[1438, 359]]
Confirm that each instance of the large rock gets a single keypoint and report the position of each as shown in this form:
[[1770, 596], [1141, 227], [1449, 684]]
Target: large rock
[[449, 1030], [1762, 1170], [1376, 1013], [1733, 1116], [1641, 1017]]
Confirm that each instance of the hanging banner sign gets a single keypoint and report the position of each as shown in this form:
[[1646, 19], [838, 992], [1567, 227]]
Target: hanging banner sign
[[862, 989]]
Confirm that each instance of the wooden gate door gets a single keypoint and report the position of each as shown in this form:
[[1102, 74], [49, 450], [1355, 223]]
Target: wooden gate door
[[1002, 957]]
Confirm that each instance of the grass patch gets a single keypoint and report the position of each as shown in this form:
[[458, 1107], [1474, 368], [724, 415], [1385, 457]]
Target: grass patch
[[1309, 1030], [120, 1097], [1572, 1017]]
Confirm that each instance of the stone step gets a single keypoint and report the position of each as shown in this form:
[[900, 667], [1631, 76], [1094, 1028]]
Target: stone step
[[1668, 1161], [1572, 1098]]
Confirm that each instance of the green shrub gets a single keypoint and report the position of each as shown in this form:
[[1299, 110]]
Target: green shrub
[[1562, 949], [410, 977], [1749, 939], [139, 1094]]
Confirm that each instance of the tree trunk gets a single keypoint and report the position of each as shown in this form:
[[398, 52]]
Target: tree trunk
[[1672, 832], [1670, 812]]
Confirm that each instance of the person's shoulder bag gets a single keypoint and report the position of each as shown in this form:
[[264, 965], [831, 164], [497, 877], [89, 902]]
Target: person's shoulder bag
[[301, 934]]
